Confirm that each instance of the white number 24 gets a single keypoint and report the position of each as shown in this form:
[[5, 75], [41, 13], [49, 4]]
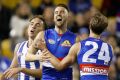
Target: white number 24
[[102, 55]]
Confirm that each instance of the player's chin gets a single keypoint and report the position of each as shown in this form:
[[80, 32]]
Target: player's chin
[[59, 24]]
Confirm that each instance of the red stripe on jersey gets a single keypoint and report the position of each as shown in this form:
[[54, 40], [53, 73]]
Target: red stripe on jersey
[[60, 59]]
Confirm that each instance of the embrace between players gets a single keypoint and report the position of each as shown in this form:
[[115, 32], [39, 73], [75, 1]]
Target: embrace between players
[[60, 52]]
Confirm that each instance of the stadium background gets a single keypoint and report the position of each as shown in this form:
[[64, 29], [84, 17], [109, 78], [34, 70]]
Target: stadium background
[[14, 19]]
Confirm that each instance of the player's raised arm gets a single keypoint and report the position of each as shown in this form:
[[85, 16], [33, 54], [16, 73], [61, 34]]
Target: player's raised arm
[[68, 60]]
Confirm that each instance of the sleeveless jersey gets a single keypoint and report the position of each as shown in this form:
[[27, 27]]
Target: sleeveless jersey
[[59, 46], [21, 52], [94, 59]]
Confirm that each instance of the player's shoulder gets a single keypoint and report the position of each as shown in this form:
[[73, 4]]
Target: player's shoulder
[[49, 30], [108, 44], [17, 47]]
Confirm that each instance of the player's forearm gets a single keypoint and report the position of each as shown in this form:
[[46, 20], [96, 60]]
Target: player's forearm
[[56, 63], [32, 72], [31, 57], [32, 49], [14, 62]]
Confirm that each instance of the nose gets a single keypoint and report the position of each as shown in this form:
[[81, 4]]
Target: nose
[[59, 12], [33, 26]]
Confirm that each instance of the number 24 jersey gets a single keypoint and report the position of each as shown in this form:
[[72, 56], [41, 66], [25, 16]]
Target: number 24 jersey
[[94, 59]]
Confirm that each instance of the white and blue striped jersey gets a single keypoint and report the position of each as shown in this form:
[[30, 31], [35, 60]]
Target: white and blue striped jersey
[[21, 52]]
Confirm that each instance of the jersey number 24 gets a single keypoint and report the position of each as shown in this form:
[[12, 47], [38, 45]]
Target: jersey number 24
[[102, 55]]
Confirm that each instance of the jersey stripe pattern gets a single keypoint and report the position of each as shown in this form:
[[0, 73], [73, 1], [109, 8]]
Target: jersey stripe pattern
[[21, 52]]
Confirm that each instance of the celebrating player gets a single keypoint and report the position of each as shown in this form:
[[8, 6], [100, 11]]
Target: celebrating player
[[93, 55], [58, 42], [26, 70]]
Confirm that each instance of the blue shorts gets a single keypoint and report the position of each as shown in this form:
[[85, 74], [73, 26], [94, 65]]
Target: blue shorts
[[52, 74]]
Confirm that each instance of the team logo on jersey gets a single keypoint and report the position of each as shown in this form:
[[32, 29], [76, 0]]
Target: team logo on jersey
[[66, 43], [51, 41]]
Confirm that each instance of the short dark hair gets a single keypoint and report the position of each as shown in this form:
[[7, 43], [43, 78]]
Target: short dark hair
[[98, 23], [62, 5], [39, 17]]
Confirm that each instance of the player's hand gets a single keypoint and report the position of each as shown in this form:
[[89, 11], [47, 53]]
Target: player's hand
[[40, 44], [2, 77], [4, 74], [11, 72], [45, 56]]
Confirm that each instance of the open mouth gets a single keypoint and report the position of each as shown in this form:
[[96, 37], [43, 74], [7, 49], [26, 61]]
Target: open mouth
[[59, 18], [32, 31]]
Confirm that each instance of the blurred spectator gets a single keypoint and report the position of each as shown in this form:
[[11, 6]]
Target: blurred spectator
[[110, 7], [80, 22], [48, 16], [83, 17], [112, 41], [4, 63], [104, 36], [43, 5], [5, 15], [112, 72], [25, 33], [83, 33], [118, 67], [71, 22], [118, 25], [79, 5], [19, 21], [111, 26]]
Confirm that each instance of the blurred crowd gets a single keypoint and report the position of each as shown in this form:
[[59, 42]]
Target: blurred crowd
[[15, 14]]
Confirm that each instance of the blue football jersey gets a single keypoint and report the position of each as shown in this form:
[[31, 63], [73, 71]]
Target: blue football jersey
[[94, 59], [59, 46]]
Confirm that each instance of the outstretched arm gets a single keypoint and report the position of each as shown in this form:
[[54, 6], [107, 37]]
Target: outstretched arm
[[76, 72], [68, 60]]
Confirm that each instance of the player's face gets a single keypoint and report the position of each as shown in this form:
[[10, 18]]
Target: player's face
[[60, 16], [35, 26]]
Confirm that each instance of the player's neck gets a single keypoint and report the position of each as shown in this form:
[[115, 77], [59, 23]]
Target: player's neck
[[30, 41], [61, 30], [94, 35]]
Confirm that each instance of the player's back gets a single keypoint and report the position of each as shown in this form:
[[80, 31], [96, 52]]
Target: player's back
[[94, 59]]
